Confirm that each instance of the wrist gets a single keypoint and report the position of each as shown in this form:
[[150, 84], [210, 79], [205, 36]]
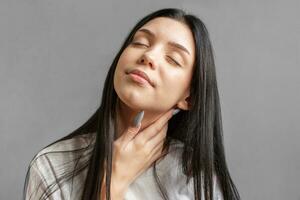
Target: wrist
[[118, 186], [118, 189]]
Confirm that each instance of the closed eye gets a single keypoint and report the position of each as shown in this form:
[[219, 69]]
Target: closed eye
[[140, 44], [173, 60]]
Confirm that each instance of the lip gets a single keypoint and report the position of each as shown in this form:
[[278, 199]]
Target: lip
[[142, 75]]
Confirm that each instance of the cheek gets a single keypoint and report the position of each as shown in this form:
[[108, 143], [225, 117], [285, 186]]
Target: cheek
[[122, 61], [122, 64], [176, 81], [127, 57], [172, 89]]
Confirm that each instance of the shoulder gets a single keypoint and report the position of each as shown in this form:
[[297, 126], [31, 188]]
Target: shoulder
[[176, 179], [74, 143], [53, 161]]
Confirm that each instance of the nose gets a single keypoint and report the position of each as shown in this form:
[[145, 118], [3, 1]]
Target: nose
[[147, 60]]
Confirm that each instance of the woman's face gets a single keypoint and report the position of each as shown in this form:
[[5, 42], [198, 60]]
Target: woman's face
[[164, 50]]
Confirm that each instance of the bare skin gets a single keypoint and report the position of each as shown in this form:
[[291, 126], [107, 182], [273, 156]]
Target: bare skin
[[135, 149], [144, 146]]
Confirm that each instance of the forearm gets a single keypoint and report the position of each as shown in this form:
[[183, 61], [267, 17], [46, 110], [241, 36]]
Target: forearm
[[114, 194], [117, 190]]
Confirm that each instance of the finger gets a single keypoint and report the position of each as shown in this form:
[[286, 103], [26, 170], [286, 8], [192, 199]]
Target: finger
[[155, 127], [158, 138], [157, 153], [133, 129], [153, 155], [157, 148]]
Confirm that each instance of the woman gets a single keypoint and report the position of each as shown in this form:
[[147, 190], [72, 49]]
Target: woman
[[134, 146]]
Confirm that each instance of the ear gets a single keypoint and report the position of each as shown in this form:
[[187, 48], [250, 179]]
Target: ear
[[184, 104]]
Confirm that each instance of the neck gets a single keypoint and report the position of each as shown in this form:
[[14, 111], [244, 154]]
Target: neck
[[125, 116]]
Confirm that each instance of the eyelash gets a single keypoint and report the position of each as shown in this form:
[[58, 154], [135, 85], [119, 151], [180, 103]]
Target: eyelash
[[173, 60]]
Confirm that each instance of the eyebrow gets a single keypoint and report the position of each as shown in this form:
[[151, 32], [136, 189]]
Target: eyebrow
[[174, 44]]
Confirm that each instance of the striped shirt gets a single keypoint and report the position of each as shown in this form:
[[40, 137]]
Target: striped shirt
[[50, 164]]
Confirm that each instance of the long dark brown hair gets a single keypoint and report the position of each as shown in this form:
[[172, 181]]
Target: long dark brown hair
[[199, 128]]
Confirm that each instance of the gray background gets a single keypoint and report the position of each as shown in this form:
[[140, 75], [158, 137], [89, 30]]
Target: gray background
[[54, 56]]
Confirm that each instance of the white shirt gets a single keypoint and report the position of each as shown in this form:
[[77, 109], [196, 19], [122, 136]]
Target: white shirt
[[46, 168]]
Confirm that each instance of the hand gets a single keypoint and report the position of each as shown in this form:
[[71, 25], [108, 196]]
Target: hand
[[135, 151]]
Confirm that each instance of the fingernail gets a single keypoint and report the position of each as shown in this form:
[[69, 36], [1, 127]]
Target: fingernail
[[138, 118], [175, 111]]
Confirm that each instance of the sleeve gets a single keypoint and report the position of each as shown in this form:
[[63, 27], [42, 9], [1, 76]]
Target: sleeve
[[188, 192], [35, 186], [218, 195]]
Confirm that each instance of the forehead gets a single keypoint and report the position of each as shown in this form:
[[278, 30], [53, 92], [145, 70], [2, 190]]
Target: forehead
[[168, 29]]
